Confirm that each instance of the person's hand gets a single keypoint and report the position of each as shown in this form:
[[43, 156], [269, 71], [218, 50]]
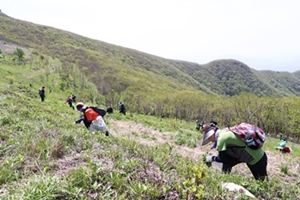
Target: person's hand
[[209, 159]]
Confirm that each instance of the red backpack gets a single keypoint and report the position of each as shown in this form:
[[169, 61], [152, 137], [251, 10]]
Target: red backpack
[[253, 136]]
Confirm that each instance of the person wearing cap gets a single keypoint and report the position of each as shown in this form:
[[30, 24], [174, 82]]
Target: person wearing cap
[[92, 118], [232, 151]]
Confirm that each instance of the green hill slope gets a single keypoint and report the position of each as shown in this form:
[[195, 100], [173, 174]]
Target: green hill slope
[[107, 65], [43, 155], [117, 70], [283, 82]]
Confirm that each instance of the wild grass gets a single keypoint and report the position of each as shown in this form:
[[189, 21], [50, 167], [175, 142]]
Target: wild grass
[[43, 155]]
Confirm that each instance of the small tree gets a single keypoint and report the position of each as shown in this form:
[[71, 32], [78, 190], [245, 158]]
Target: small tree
[[19, 53]]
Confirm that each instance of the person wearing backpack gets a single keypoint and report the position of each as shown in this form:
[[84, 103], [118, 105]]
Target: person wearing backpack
[[42, 93], [232, 150], [93, 118]]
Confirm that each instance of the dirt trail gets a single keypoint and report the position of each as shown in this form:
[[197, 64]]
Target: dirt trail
[[145, 135], [126, 129]]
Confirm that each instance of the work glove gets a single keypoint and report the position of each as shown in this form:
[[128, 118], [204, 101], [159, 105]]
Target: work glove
[[210, 159], [78, 121]]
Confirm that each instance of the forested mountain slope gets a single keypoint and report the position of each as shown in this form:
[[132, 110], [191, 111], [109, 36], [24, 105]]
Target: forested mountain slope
[[230, 77], [119, 69], [283, 82]]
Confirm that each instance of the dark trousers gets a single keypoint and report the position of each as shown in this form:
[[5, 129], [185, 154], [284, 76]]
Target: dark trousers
[[258, 170], [123, 111]]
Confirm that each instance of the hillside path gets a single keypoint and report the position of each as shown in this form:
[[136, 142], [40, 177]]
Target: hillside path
[[135, 131]]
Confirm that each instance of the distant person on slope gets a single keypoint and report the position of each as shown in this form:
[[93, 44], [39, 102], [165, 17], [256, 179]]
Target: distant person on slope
[[92, 118], [74, 98], [199, 124], [109, 109], [42, 93], [70, 101], [122, 108]]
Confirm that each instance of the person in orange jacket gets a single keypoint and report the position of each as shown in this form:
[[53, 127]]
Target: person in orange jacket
[[92, 118]]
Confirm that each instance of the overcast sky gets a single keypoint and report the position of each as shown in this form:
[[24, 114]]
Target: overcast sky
[[263, 34]]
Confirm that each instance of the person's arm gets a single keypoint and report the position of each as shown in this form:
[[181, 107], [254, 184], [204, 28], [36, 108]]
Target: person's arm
[[220, 157], [78, 121]]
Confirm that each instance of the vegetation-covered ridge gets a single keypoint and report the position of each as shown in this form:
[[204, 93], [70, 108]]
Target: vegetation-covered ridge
[[133, 70]]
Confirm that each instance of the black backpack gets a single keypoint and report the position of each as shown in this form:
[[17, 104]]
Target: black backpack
[[100, 111]]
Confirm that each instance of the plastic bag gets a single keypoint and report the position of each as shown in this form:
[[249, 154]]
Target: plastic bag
[[98, 125]]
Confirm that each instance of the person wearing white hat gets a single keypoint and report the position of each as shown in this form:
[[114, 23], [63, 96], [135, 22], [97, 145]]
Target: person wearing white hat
[[92, 117], [232, 151]]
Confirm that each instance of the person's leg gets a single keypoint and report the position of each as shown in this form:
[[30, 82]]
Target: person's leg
[[100, 125], [227, 160], [259, 170], [229, 163]]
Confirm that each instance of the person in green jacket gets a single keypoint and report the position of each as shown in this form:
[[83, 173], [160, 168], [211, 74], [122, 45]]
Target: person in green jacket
[[232, 151]]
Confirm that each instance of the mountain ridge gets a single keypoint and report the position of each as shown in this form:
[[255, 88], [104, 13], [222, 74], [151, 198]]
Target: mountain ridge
[[226, 77]]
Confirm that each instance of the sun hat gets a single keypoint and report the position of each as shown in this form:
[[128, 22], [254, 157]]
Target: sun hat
[[80, 106], [208, 131]]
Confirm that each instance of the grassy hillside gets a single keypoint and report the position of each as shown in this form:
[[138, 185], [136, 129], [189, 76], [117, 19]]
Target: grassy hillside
[[117, 70], [112, 67], [43, 155]]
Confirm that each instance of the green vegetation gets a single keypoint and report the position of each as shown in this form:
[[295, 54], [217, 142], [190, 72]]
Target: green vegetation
[[43, 155], [19, 53]]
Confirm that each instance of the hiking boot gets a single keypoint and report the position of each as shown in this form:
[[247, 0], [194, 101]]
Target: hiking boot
[[107, 133]]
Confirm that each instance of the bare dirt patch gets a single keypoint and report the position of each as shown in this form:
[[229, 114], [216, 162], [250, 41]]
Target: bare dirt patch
[[148, 136], [276, 161]]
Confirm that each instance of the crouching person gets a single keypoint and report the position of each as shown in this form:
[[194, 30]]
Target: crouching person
[[232, 151], [92, 118]]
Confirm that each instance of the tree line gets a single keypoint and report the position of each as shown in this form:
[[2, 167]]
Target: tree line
[[273, 114]]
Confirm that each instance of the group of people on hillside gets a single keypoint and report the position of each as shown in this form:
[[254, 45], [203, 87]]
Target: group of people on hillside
[[231, 148], [92, 116]]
